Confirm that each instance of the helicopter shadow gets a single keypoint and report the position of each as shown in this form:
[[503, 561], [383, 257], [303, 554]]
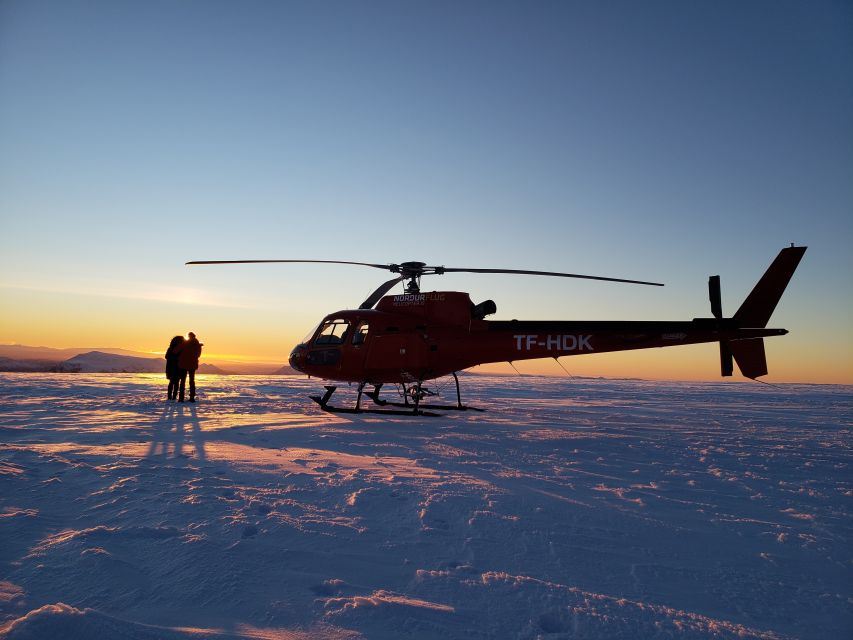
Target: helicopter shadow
[[177, 427]]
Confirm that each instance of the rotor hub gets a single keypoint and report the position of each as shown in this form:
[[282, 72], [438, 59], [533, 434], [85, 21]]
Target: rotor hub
[[412, 272]]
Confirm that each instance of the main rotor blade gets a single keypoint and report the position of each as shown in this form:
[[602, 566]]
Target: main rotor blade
[[386, 267], [417, 269], [381, 291], [548, 273]]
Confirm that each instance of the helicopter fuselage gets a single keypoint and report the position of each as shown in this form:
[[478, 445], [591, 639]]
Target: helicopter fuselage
[[415, 337]]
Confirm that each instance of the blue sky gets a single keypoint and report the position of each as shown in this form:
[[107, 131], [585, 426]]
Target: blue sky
[[656, 140]]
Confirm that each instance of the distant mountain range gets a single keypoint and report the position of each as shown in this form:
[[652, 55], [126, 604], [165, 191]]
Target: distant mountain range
[[22, 358], [100, 362]]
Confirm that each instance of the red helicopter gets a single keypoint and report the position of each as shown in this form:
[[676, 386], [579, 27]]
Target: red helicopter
[[413, 337]]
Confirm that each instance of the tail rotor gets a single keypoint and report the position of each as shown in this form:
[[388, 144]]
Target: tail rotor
[[726, 362], [754, 313]]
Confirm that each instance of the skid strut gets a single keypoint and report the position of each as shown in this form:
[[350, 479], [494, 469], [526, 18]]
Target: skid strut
[[325, 399], [374, 395], [325, 406], [412, 393]]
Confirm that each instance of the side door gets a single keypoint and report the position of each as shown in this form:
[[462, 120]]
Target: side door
[[357, 347], [398, 356]]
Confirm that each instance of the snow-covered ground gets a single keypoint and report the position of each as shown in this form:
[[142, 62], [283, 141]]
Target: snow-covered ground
[[570, 509]]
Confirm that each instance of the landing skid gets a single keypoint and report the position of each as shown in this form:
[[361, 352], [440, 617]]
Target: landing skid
[[436, 407], [413, 408]]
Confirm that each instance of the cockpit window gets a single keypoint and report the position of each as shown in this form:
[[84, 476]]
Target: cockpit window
[[333, 332], [360, 334]]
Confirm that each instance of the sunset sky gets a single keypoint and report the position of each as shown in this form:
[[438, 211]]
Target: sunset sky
[[662, 141]]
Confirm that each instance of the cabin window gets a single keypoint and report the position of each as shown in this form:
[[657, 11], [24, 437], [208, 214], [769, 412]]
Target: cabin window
[[333, 332], [360, 335]]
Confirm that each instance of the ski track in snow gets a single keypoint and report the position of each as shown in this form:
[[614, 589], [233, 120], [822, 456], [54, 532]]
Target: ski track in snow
[[578, 509]]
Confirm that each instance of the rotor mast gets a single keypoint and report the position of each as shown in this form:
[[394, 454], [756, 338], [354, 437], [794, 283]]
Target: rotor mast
[[412, 272]]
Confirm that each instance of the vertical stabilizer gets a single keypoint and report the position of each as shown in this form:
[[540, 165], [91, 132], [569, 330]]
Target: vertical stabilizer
[[756, 310]]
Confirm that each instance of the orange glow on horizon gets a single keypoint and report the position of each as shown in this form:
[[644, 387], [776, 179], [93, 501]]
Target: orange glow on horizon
[[247, 336]]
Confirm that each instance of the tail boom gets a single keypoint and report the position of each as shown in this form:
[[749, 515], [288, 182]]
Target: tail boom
[[741, 337]]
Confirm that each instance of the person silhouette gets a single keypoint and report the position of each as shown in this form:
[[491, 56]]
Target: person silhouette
[[173, 371], [188, 363]]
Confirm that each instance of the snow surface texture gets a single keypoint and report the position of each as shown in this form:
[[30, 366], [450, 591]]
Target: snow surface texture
[[580, 509]]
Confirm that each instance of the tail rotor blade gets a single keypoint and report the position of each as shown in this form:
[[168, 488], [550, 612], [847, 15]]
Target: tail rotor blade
[[726, 364], [714, 295]]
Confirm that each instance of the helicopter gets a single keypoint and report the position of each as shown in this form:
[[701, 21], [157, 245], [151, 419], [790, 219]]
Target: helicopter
[[410, 338]]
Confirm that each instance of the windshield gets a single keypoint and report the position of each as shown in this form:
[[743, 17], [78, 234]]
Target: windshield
[[333, 332], [310, 334]]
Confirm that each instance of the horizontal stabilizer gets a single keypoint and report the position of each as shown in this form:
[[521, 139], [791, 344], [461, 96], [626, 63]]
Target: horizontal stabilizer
[[756, 310], [750, 358]]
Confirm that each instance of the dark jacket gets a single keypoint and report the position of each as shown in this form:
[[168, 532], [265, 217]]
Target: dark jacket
[[189, 355], [172, 368]]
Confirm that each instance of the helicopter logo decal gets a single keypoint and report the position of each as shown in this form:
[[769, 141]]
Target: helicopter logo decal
[[410, 299]]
